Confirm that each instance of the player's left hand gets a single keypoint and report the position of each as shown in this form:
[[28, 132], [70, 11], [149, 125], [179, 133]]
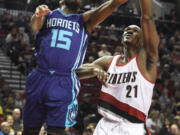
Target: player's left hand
[[101, 75]]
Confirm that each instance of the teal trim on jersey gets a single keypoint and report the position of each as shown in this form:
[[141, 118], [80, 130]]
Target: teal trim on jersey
[[68, 122], [66, 15], [83, 55], [51, 72]]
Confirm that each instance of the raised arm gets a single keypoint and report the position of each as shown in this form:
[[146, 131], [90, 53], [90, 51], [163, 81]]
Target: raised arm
[[151, 39], [38, 18], [95, 17]]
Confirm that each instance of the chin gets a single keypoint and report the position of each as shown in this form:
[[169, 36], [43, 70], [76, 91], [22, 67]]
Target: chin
[[127, 41]]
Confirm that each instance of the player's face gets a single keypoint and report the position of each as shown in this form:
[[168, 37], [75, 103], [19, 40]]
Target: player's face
[[73, 4], [131, 35]]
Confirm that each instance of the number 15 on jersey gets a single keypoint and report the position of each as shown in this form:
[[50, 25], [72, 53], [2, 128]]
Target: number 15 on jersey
[[61, 36]]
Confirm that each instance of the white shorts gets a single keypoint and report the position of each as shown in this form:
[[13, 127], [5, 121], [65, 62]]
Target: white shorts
[[122, 127]]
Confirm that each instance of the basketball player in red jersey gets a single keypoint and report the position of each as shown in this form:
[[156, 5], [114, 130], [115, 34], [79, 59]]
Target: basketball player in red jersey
[[126, 97]]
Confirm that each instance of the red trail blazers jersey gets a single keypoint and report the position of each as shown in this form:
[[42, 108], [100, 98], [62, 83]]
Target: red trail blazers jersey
[[129, 93]]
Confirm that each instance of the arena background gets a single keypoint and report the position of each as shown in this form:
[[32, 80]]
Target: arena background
[[17, 60]]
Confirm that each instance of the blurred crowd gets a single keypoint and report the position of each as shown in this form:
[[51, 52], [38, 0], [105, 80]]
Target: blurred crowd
[[11, 105], [17, 41]]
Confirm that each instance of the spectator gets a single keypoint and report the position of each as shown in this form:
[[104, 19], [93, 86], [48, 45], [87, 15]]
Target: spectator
[[5, 129], [134, 9], [25, 37], [176, 91], [165, 128], [112, 34], [12, 36], [18, 101], [151, 122], [19, 133], [118, 51], [104, 51], [7, 21], [95, 34], [9, 105], [20, 21], [161, 119], [1, 114], [93, 51], [165, 74], [103, 36], [177, 109], [90, 59], [17, 119], [25, 60], [6, 91], [174, 130], [10, 120], [163, 99], [1, 110]]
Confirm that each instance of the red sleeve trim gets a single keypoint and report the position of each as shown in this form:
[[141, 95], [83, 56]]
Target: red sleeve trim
[[143, 74]]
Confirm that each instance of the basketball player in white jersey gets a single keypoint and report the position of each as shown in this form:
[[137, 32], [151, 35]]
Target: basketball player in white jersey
[[126, 97]]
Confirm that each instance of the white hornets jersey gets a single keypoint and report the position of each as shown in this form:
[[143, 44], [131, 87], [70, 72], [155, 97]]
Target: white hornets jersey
[[129, 93]]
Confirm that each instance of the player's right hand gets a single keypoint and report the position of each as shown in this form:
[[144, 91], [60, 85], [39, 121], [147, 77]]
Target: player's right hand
[[42, 10], [101, 75]]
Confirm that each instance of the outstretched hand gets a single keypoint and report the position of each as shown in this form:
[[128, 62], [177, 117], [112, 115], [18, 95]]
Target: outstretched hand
[[101, 75], [42, 10]]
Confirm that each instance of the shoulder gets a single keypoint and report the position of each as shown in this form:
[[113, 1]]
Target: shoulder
[[53, 12]]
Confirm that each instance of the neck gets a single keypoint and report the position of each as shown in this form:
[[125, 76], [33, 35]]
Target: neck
[[130, 53], [67, 11]]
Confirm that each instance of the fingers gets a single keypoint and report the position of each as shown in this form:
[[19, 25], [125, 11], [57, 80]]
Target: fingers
[[44, 6], [102, 77], [41, 7], [42, 10]]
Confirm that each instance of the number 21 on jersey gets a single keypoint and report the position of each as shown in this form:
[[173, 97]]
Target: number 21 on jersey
[[130, 91], [63, 37]]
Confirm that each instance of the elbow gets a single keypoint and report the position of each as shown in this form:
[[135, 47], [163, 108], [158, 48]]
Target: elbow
[[33, 27]]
